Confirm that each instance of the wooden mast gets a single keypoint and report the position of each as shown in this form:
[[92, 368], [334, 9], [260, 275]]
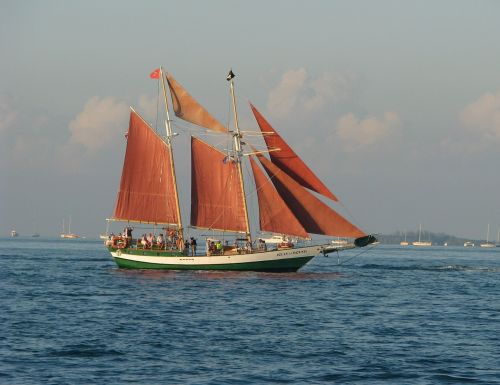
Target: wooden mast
[[168, 128], [239, 154]]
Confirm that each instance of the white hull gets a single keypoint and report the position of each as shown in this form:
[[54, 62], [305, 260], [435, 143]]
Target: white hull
[[229, 262], [422, 243]]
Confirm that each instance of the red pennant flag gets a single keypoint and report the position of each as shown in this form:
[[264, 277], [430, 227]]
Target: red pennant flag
[[155, 74]]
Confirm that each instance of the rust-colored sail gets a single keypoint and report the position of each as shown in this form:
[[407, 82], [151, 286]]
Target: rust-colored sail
[[147, 186], [286, 159], [274, 214], [187, 108], [216, 193], [314, 215]]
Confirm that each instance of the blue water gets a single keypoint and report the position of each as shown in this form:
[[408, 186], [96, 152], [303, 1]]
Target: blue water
[[388, 316]]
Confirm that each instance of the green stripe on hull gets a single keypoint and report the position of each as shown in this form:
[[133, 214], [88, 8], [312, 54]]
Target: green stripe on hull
[[280, 265]]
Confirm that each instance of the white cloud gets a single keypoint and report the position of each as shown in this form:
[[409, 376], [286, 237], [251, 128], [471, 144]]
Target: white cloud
[[8, 114], [482, 117], [297, 93], [355, 134], [148, 107], [100, 122]]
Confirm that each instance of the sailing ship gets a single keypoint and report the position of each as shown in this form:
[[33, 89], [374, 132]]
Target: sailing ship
[[14, 233], [420, 242], [488, 244], [69, 234], [148, 194]]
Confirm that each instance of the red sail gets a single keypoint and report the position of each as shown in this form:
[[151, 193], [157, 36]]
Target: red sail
[[147, 185], [313, 214], [274, 214], [286, 159], [216, 190], [188, 109]]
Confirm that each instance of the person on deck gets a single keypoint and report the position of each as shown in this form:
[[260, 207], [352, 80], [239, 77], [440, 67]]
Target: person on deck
[[150, 240], [160, 241], [218, 246], [144, 241], [193, 246]]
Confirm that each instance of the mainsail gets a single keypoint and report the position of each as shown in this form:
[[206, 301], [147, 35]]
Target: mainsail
[[274, 214], [188, 109], [216, 193], [287, 160], [146, 191], [314, 215]]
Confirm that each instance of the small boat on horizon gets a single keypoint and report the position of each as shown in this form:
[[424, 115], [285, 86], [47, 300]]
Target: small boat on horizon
[[69, 234], [469, 244], [405, 242], [488, 244], [14, 233], [419, 242]]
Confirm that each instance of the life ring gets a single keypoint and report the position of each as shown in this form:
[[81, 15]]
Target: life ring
[[119, 242]]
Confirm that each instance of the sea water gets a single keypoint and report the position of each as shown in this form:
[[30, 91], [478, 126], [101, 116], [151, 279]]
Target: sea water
[[390, 315]]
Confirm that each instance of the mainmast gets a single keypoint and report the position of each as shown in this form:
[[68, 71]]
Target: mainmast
[[168, 128], [239, 153]]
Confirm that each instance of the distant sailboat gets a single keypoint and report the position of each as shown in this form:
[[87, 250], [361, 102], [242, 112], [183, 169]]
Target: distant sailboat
[[405, 242], [106, 234], [488, 244], [148, 194], [69, 234], [13, 233], [420, 242]]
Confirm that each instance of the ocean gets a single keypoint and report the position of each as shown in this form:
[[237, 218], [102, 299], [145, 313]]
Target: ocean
[[390, 315]]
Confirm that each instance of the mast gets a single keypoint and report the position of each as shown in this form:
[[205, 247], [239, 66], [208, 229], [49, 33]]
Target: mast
[[239, 153], [168, 128]]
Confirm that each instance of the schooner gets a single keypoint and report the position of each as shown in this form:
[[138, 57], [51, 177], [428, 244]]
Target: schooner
[[286, 191]]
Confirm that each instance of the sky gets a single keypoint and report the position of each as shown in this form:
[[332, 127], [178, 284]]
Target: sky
[[395, 105]]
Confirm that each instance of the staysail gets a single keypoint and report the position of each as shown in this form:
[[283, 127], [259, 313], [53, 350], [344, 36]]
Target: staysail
[[314, 215], [188, 109], [274, 214], [216, 193], [146, 191], [286, 159]]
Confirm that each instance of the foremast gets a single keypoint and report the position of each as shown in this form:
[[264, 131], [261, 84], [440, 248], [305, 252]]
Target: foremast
[[168, 128], [239, 154]]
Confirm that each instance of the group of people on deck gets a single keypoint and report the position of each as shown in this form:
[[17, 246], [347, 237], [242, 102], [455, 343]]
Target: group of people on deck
[[215, 248], [172, 241]]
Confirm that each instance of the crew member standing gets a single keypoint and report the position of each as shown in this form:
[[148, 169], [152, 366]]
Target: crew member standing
[[193, 246]]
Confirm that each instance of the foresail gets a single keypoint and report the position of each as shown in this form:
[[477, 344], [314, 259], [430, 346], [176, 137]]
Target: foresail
[[287, 160], [146, 191], [188, 109], [314, 215], [274, 214], [216, 193]]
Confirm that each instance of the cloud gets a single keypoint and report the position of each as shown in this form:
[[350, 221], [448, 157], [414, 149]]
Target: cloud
[[297, 93], [356, 134], [148, 107], [482, 118], [100, 122], [8, 114]]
